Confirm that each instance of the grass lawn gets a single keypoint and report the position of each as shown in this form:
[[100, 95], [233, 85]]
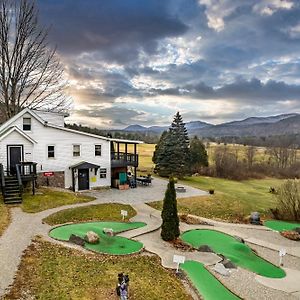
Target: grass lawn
[[4, 216], [232, 199], [46, 198], [49, 271], [99, 212], [145, 158]]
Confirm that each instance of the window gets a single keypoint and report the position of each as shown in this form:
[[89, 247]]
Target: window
[[103, 173], [27, 124], [51, 151], [76, 150], [97, 150]]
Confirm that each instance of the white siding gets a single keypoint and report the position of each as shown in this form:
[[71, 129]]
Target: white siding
[[15, 138], [63, 142]]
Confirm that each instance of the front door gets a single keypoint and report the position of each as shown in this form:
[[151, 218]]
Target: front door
[[15, 157], [83, 179]]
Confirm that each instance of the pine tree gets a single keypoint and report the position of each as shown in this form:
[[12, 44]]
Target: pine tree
[[198, 155], [159, 148], [170, 221], [173, 157]]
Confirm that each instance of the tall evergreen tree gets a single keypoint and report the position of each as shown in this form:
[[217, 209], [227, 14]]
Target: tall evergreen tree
[[170, 221], [198, 155], [173, 157], [159, 148]]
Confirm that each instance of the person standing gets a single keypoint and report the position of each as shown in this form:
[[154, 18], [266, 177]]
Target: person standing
[[123, 291]]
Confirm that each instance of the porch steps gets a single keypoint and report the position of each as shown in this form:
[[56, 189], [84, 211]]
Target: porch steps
[[12, 191]]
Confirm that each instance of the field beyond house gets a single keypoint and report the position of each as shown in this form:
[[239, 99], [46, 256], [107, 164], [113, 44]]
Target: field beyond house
[[232, 201]]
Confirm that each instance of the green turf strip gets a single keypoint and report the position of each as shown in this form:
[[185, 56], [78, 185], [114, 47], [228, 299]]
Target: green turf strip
[[237, 252], [207, 285], [109, 245], [280, 225]]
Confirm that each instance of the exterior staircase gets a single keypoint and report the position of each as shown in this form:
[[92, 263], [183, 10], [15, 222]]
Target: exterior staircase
[[12, 190]]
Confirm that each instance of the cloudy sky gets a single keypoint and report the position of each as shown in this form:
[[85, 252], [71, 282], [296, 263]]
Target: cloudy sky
[[140, 61]]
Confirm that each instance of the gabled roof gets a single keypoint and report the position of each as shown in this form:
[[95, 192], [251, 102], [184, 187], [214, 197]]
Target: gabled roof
[[7, 124], [84, 165], [20, 114], [9, 130]]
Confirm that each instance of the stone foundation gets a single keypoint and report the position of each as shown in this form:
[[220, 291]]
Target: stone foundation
[[58, 180]]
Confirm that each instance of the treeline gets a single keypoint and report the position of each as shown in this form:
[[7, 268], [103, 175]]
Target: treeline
[[289, 140], [239, 164], [149, 138]]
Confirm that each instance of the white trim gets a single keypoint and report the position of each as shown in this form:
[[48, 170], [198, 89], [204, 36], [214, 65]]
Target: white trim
[[45, 123], [17, 129], [20, 114], [47, 151], [79, 150], [126, 141], [8, 153], [78, 132], [100, 150]]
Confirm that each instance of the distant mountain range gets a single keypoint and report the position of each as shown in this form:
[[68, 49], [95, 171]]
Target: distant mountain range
[[254, 126], [193, 125]]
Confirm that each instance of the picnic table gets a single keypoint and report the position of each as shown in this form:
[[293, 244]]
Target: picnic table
[[145, 180]]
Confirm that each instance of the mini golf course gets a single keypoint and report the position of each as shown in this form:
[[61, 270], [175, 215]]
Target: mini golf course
[[114, 245], [207, 285], [239, 253], [280, 225]]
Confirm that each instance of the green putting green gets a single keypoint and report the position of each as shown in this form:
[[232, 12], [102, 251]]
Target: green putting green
[[280, 225], [207, 285], [109, 245], [237, 252]]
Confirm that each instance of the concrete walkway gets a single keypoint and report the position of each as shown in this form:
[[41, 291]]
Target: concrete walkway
[[25, 226], [289, 284]]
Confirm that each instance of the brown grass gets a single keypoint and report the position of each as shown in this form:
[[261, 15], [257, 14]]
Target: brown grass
[[49, 271]]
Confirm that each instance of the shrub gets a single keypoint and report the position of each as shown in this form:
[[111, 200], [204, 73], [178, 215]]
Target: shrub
[[170, 221], [288, 195]]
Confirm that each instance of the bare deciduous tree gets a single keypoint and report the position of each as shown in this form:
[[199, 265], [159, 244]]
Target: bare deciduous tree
[[31, 74], [289, 200], [250, 153]]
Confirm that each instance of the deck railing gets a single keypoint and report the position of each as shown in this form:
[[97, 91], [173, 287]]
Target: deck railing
[[18, 173], [125, 158], [2, 174], [27, 168]]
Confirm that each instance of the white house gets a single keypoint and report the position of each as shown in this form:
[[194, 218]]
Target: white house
[[73, 159]]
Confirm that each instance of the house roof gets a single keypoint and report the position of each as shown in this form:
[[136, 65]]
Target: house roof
[[84, 165], [7, 124], [9, 130], [20, 114]]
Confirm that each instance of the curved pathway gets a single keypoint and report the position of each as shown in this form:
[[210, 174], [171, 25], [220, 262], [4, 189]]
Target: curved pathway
[[25, 226]]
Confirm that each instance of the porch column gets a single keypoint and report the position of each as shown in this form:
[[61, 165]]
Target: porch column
[[118, 150], [135, 167]]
